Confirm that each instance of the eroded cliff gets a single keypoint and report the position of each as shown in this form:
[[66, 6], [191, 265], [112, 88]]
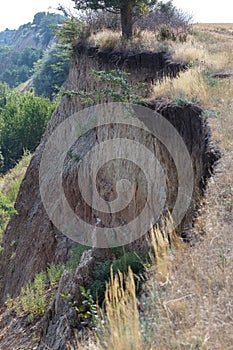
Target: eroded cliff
[[39, 242]]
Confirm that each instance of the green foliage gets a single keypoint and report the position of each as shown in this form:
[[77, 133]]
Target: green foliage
[[16, 67], [33, 298], [76, 254], [12, 181], [47, 23], [102, 273], [87, 312], [23, 119], [113, 5], [6, 37], [6, 211], [54, 273], [72, 31], [14, 244], [116, 79], [212, 80], [165, 33], [117, 88], [9, 189], [73, 156], [51, 71], [126, 8], [181, 101]]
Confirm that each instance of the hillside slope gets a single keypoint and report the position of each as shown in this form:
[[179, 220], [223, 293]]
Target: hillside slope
[[186, 302]]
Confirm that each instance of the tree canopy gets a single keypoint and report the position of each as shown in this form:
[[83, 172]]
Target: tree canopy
[[23, 119], [126, 8], [51, 71]]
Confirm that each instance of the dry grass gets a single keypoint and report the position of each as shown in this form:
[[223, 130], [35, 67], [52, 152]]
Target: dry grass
[[195, 310], [201, 55], [189, 52], [106, 39], [121, 328], [187, 302], [190, 85], [144, 40], [196, 84]]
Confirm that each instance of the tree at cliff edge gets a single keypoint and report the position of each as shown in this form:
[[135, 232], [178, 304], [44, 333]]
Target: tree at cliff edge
[[126, 9]]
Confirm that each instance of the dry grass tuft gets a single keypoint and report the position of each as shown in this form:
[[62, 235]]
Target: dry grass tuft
[[189, 52], [121, 328], [144, 40], [190, 85], [106, 39], [163, 239]]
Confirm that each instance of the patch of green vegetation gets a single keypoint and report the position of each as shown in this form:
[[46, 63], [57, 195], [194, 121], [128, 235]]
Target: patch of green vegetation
[[23, 119], [117, 88], [16, 65], [86, 312], [34, 298], [6, 212], [121, 263], [9, 187], [54, 273], [51, 71], [75, 256], [73, 156]]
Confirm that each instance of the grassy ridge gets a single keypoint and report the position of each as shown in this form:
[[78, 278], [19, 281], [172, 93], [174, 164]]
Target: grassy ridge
[[9, 187]]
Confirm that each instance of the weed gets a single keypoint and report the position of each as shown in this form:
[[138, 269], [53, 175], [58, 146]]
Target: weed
[[54, 273], [74, 157], [33, 299], [87, 312], [14, 244]]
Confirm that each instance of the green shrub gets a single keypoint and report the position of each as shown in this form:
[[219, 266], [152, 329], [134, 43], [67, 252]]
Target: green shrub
[[54, 273], [23, 120], [72, 32], [33, 299], [87, 312], [75, 256], [51, 71], [102, 273]]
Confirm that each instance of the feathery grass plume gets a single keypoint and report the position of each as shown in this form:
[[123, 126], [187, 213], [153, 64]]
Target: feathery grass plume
[[163, 239], [121, 328]]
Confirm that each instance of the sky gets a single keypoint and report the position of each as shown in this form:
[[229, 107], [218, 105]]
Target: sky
[[14, 12]]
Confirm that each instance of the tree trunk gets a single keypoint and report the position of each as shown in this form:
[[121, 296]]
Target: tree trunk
[[127, 19]]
